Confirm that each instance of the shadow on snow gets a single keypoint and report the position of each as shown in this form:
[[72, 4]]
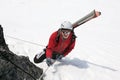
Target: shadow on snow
[[82, 64]]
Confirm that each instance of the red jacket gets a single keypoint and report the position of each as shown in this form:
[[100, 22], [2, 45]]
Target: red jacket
[[60, 46]]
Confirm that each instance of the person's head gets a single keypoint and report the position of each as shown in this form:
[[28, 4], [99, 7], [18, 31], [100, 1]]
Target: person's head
[[66, 28]]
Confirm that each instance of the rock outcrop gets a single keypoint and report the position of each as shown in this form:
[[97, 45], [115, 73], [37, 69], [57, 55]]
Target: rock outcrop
[[14, 67]]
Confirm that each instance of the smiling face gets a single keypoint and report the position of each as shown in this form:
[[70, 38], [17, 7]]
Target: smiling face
[[65, 33]]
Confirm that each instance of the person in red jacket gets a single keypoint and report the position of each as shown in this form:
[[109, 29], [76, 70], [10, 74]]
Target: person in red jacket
[[61, 42]]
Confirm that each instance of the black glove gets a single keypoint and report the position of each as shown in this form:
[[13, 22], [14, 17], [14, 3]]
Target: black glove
[[59, 57], [49, 61]]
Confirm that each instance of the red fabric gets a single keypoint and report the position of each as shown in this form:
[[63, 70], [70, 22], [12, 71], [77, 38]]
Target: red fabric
[[60, 46]]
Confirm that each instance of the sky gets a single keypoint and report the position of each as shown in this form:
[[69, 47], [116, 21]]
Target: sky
[[96, 54]]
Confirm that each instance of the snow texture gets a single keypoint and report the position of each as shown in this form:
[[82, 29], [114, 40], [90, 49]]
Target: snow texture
[[97, 51]]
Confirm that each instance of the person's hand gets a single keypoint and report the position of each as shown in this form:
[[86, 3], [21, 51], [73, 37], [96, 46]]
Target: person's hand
[[49, 61], [60, 57]]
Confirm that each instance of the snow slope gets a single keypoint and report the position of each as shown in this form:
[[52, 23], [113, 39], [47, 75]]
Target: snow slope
[[97, 51]]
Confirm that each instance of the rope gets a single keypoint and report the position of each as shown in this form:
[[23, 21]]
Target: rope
[[25, 41], [44, 73]]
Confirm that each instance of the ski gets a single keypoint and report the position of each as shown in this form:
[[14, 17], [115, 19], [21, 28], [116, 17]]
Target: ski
[[86, 18]]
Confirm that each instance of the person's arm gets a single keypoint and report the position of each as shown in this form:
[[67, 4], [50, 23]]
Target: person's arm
[[69, 49], [51, 45]]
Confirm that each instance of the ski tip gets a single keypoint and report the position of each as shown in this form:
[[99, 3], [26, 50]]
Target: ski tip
[[97, 13]]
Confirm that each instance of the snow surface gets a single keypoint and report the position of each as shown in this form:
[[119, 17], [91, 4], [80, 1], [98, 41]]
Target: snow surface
[[97, 52]]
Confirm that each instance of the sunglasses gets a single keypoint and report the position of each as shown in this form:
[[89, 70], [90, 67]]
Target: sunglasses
[[66, 32]]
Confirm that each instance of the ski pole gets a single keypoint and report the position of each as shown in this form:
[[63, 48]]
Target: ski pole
[[46, 71]]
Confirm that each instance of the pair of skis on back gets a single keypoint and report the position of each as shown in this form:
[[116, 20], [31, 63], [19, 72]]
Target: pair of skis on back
[[93, 14]]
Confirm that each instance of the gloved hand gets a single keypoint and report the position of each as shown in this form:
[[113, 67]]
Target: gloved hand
[[49, 61], [60, 57]]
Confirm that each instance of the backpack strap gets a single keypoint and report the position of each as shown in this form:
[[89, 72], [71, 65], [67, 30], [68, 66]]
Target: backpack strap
[[73, 36], [72, 40], [58, 35]]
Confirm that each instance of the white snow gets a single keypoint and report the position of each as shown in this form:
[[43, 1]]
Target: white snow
[[97, 52]]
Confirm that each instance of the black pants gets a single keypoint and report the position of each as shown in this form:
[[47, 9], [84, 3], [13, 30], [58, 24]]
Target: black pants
[[40, 59], [55, 55]]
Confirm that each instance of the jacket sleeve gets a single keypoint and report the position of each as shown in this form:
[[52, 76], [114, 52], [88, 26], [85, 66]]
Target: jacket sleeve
[[69, 49], [51, 45]]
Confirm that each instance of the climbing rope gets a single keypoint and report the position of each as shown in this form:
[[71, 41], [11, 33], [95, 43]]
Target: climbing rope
[[25, 41]]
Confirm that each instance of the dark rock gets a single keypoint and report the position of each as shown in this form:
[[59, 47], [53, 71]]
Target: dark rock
[[14, 67]]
